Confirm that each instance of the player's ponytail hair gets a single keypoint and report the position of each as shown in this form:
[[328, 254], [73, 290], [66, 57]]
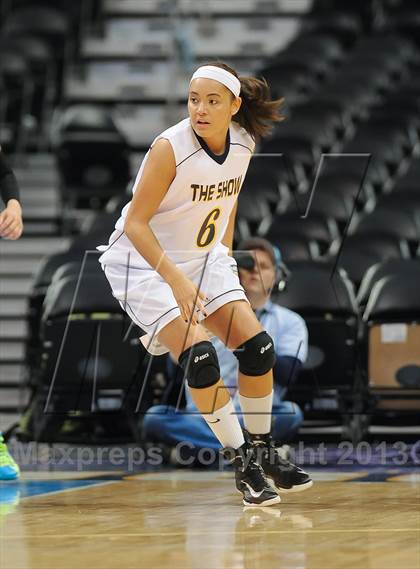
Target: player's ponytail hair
[[258, 111]]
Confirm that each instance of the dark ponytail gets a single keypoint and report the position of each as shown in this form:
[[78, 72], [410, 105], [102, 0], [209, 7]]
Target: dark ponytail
[[258, 111]]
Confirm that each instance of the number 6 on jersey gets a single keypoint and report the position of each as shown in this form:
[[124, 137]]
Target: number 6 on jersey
[[207, 231]]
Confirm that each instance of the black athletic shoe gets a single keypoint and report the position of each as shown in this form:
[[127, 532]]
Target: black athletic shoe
[[284, 475], [249, 477]]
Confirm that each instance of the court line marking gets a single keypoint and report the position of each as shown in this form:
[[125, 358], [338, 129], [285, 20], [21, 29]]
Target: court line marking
[[183, 533], [65, 490]]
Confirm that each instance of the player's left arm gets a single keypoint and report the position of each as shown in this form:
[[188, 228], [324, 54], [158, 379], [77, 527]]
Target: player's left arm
[[227, 238]]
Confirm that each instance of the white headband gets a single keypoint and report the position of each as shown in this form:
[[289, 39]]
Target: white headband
[[218, 74]]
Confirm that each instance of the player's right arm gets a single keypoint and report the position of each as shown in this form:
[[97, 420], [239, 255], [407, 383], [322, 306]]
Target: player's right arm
[[11, 224], [158, 174]]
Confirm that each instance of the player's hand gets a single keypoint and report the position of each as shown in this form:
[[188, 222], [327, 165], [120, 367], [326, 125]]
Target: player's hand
[[11, 224], [185, 293]]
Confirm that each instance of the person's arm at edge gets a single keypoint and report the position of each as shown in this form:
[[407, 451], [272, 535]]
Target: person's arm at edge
[[9, 189], [11, 216]]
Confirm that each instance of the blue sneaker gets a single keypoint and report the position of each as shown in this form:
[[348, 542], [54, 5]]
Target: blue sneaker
[[9, 470]]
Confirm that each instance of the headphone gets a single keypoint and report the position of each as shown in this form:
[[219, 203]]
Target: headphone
[[282, 272]]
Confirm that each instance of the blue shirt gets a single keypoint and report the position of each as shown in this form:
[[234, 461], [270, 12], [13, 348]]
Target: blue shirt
[[290, 336]]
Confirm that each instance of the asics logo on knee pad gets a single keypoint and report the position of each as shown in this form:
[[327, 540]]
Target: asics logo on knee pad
[[264, 348], [200, 365], [256, 356], [199, 358]]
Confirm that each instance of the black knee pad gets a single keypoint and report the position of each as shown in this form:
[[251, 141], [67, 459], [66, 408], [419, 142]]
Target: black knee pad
[[200, 364], [256, 356]]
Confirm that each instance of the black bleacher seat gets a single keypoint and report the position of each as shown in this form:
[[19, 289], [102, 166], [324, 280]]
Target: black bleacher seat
[[375, 80], [386, 46], [78, 269], [359, 252], [298, 152], [295, 247], [386, 145], [346, 27], [90, 351], [317, 127], [39, 59], [320, 229], [410, 268], [104, 221], [410, 180], [404, 119], [407, 23], [359, 168], [388, 221], [394, 298], [327, 303], [314, 66], [42, 280], [86, 135], [392, 66], [391, 339], [261, 182], [16, 82], [41, 21], [361, 194], [326, 203], [85, 244], [407, 102], [322, 46], [352, 98], [253, 214], [397, 130], [403, 201], [289, 80]]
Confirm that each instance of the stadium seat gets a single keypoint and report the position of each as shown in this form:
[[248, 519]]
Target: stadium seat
[[392, 339], [261, 183], [16, 81], [295, 247], [319, 127], [322, 46], [326, 301], [361, 194], [408, 267], [386, 46], [87, 136], [300, 154], [388, 221], [326, 203], [253, 214], [316, 228], [36, 297], [357, 253], [81, 371], [344, 26], [358, 168]]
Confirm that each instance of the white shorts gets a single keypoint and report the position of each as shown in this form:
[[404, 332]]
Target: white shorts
[[149, 301]]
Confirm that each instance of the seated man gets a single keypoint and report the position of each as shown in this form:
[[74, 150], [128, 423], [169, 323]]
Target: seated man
[[259, 271]]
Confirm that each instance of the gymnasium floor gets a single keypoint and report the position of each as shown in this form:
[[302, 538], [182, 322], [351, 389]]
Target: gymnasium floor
[[358, 517]]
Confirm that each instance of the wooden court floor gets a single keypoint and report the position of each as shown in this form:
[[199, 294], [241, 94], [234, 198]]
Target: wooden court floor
[[190, 519]]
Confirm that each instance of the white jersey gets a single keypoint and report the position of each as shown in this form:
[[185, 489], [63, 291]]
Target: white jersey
[[194, 213]]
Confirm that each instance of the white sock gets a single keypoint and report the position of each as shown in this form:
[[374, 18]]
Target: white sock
[[225, 425], [257, 413]]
